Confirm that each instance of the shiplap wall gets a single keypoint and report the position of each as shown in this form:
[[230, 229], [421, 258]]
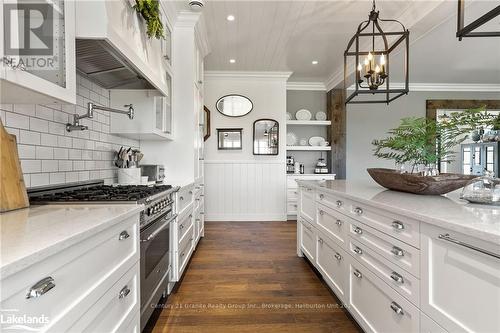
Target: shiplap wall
[[244, 191], [51, 155]]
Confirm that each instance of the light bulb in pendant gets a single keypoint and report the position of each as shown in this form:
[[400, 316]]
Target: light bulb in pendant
[[377, 69], [359, 67], [370, 56], [382, 59]]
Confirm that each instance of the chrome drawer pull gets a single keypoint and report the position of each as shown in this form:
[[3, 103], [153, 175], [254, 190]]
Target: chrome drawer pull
[[339, 203], [338, 222], [190, 216], [358, 250], [358, 211], [357, 274], [338, 256], [447, 238], [321, 212], [320, 240], [190, 192], [398, 225], [181, 198], [397, 251], [396, 308], [41, 287], [123, 235], [182, 254], [358, 230], [321, 196], [397, 277], [181, 226], [124, 292]]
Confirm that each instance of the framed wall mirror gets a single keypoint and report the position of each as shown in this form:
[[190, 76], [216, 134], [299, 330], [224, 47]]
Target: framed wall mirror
[[234, 105], [206, 123], [229, 138], [265, 137]]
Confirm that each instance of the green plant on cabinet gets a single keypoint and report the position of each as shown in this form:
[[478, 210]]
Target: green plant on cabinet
[[150, 11]]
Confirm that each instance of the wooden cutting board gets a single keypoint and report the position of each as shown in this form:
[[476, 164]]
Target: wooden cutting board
[[13, 193]]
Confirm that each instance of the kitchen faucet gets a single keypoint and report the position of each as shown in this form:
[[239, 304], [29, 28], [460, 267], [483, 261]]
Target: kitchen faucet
[[90, 114]]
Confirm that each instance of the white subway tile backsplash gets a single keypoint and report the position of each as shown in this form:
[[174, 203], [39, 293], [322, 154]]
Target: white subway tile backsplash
[[44, 153], [17, 120], [28, 137], [50, 165], [51, 155]]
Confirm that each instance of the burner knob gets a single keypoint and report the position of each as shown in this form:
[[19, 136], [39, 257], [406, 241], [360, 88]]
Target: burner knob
[[148, 212]]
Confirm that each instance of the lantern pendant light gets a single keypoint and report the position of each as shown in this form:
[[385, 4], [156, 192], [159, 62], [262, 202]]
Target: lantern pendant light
[[372, 62], [470, 30]]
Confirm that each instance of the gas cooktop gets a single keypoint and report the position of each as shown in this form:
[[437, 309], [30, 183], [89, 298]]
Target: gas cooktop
[[98, 193]]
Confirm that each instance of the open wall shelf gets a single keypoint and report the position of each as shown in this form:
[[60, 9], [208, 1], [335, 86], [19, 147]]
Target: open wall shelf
[[309, 148], [309, 122]]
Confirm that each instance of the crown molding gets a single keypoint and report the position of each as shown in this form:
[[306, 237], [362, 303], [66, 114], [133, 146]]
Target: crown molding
[[464, 87], [314, 86], [201, 36], [187, 19], [246, 75]]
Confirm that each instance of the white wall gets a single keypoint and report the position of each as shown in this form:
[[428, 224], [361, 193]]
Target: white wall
[[366, 122], [240, 186], [51, 155]]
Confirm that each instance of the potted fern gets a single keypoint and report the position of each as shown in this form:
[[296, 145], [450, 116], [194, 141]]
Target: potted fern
[[420, 142], [150, 12]]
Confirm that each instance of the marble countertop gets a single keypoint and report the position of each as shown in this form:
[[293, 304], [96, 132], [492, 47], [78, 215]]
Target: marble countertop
[[33, 234], [447, 211]]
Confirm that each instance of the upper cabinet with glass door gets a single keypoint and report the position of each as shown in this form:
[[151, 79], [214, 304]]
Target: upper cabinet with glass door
[[37, 45]]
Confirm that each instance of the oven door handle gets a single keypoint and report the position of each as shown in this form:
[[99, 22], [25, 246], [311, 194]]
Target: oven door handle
[[160, 229]]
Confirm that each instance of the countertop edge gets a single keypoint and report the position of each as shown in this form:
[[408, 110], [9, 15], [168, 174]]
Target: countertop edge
[[474, 232], [24, 262]]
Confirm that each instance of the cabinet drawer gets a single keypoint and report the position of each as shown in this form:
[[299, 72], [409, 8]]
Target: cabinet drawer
[[292, 194], [307, 204], [397, 252], [113, 311], [376, 306], [184, 198], [291, 183], [307, 239], [334, 202], [184, 224], [331, 261], [291, 208], [400, 280], [185, 249], [333, 224], [403, 228], [427, 325], [80, 273]]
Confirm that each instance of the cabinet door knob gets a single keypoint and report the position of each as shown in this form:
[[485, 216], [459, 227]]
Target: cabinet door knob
[[124, 292], [396, 308], [320, 240], [358, 211], [357, 274], [358, 230], [358, 250], [123, 235], [398, 225], [339, 203], [181, 198], [321, 196], [397, 277], [338, 256], [321, 212], [41, 287], [339, 222], [397, 251]]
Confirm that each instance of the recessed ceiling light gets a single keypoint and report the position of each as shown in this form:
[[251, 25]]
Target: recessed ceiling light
[[230, 17], [232, 61], [315, 62]]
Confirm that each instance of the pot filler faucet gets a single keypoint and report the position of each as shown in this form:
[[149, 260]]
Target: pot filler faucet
[[90, 114]]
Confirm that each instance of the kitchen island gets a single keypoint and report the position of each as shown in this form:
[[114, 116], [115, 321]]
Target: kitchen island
[[402, 262]]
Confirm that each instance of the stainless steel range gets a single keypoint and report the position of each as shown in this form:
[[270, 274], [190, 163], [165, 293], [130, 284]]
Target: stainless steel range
[[155, 221]]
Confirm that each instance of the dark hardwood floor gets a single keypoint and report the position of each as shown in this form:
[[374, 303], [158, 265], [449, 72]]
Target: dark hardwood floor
[[246, 277]]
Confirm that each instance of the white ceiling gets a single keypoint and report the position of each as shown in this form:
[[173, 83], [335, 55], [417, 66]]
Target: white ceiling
[[289, 35]]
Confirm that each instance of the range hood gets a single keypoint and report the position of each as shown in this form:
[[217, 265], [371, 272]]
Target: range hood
[[113, 49], [101, 63]]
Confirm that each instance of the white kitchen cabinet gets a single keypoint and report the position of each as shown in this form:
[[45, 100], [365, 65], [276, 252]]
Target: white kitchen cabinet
[[307, 238], [427, 325], [376, 306], [460, 285], [293, 191], [331, 261], [85, 278], [307, 204], [52, 77], [153, 119]]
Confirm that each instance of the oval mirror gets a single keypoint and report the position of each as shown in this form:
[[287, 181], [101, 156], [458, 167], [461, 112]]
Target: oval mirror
[[234, 105]]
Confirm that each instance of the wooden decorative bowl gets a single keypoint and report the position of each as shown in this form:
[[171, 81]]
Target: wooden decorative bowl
[[413, 183]]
